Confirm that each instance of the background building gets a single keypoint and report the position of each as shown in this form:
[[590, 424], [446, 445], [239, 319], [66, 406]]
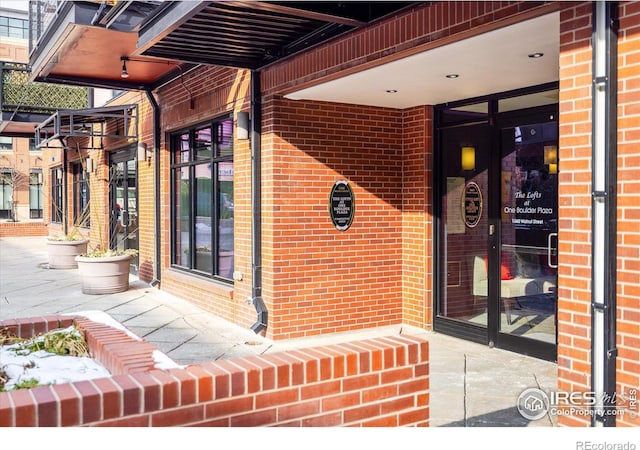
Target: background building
[[21, 192], [24, 105]]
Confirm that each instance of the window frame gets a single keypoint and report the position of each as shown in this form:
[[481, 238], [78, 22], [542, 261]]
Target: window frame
[[35, 213], [181, 258], [14, 23], [6, 143], [6, 184], [57, 196], [81, 203]]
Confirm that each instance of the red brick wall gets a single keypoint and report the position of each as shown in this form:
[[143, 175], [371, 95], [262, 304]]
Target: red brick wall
[[417, 219], [628, 327], [375, 382], [574, 200], [146, 189], [318, 279], [574, 320], [205, 94]]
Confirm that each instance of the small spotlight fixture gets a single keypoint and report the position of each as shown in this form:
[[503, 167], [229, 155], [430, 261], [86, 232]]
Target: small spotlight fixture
[[124, 73], [452, 76], [535, 55], [391, 91]]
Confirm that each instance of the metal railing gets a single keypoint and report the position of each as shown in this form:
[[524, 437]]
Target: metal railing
[[41, 14], [19, 96]]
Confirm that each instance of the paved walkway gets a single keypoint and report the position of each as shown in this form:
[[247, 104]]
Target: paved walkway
[[470, 384]]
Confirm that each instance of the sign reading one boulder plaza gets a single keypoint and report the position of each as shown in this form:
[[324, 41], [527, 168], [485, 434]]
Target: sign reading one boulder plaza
[[341, 205]]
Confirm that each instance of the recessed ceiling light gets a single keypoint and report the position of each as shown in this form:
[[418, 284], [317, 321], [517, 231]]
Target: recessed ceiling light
[[452, 75], [535, 55], [391, 91]]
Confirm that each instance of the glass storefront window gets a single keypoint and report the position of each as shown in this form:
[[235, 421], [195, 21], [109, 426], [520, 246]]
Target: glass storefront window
[[202, 199]]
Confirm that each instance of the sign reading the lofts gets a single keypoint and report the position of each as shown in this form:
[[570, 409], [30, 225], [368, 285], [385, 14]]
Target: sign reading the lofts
[[472, 204], [341, 205]]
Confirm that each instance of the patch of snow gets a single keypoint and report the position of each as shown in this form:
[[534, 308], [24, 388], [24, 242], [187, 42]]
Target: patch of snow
[[105, 319], [46, 367], [162, 361]]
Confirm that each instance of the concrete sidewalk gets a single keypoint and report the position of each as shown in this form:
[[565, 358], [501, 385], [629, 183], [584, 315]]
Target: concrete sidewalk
[[470, 384]]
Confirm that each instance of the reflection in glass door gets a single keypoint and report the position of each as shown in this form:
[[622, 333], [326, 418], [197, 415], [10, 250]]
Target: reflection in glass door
[[465, 226], [529, 230], [123, 198]]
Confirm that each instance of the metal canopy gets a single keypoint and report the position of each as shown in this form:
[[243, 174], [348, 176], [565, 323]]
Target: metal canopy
[[162, 40], [251, 34], [88, 123]]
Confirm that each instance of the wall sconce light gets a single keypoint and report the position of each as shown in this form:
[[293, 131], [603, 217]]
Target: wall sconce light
[[242, 126], [124, 73], [468, 158], [551, 158], [143, 152], [550, 154], [89, 165]]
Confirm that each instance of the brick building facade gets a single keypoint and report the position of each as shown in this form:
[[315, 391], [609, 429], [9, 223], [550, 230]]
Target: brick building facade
[[390, 266]]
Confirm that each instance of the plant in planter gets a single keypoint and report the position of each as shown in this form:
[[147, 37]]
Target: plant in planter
[[104, 270], [63, 249]]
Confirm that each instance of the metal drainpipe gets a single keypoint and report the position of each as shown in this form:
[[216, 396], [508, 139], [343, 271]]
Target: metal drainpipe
[[256, 206], [157, 190], [65, 194], [604, 205]]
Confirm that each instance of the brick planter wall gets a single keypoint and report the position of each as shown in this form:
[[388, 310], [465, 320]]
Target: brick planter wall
[[8, 229], [374, 382]]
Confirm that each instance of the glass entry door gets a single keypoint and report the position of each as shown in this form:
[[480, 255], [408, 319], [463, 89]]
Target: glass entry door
[[464, 232], [123, 203], [496, 209], [528, 229]]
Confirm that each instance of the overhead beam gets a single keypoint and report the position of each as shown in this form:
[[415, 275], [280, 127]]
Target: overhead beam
[[164, 24], [92, 82], [312, 15]]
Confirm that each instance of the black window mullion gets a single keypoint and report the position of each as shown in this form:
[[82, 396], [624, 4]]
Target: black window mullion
[[215, 216], [175, 217], [192, 200], [214, 201]]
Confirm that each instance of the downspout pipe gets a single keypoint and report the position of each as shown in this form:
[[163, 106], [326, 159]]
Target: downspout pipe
[[156, 188], [260, 326], [604, 206], [65, 194]]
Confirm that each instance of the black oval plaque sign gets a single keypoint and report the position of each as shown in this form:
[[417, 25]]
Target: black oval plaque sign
[[341, 205], [472, 204]]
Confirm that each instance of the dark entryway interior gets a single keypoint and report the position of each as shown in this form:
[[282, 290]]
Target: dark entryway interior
[[123, 203]]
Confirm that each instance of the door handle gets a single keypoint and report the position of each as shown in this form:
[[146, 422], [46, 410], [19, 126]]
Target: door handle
[[549, 238]]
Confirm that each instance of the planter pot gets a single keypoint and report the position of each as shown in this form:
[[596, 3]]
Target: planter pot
[[104, 275], [62, 254]]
